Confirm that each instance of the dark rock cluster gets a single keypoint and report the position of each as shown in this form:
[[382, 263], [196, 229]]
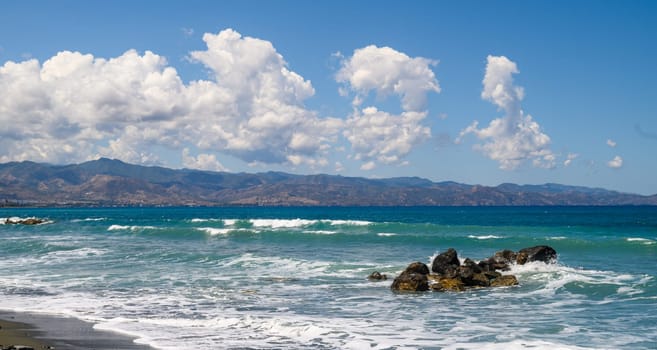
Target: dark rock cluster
[[30, 221], [449, 274]]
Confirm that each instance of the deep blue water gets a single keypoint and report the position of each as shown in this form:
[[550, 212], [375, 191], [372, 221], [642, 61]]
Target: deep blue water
[[296, 277]]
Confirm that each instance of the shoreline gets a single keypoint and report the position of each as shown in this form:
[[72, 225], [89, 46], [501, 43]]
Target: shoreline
[[58, 332]]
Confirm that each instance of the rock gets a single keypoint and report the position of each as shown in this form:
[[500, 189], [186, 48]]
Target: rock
[[521, 258], [417, 267], [410, 282], [412, 279], [30, 221], [446, 263], [376, 276], [542, 253], [448, 285], [504, 281], [450, 275]]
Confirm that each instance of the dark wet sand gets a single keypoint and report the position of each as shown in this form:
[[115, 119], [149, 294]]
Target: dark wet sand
[[60, 333]]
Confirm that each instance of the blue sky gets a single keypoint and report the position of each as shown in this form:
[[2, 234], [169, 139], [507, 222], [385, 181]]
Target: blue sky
[[478, 92]]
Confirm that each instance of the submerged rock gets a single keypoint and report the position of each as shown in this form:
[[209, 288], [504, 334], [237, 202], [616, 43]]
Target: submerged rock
[[377, 276]]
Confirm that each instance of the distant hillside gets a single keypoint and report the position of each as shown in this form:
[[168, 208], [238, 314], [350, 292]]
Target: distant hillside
[[107, 182]]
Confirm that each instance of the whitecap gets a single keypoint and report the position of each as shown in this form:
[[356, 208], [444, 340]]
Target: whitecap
[[214, 231], [282, 223], [129, 228], [322, 232], [386, 234], [645, 241], [485, 237], [88, 219], [349, 222]]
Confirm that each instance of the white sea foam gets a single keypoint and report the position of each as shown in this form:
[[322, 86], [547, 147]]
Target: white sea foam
[[213, 231], [75, 253], [386, 234], [350, 222], [322, 232], [645, 241], [281, 223], [88, 219], [513, 345], [293, 223], [130, 228], [485, 237]]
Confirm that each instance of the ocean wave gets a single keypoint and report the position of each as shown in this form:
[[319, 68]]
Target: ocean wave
[[386, 234], [286, 223], [88, 219], [130, 228], [550, 279], [645, 241], [485, 237], [213, 231]]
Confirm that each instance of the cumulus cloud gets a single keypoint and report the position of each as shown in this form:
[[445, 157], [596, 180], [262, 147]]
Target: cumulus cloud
[[611, 143], [376, 136], [379, 137], [615, 163], [203, 161], [387, 71], [75, 106], [516, 137]]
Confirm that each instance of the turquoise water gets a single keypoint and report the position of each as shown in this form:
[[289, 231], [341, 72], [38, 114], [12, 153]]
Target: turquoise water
[[295, 278]]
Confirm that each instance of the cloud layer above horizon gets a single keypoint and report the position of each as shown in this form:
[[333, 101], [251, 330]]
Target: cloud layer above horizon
[[74, 107]]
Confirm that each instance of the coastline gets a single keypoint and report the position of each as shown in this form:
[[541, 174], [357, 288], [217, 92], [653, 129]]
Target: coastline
[[62, 333]]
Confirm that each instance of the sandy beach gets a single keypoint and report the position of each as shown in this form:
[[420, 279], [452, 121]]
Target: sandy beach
[[50, 332]]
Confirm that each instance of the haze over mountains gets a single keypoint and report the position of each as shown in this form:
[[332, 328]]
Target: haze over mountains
[[107, 182]]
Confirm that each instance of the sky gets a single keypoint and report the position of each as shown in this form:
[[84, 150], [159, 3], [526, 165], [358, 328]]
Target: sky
[[478, 92]]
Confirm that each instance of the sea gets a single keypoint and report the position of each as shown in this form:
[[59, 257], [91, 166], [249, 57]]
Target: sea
[[296, 278]]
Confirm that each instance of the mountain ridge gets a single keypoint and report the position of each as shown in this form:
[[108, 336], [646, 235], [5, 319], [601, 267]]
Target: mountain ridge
[[111, 182]]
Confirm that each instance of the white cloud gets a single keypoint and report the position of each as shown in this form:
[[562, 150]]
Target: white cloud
[[570, 158], [387, 71], [615, 163], [203, 161], [377, 136], [611, 143], [76, 106], [516, 137]]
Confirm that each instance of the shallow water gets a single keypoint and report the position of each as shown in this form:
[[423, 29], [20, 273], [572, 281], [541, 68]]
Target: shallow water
[[296, 277]]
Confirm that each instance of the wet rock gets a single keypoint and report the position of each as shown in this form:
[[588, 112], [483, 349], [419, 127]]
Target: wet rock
[[448, 285], [448, 274], [412, 279], [29, 221], [542, 253], [446, 263], [504, 281], [410, 282], [376, 276], [417, 267]]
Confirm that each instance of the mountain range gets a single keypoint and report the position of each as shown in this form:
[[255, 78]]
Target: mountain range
[[110, 182]]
